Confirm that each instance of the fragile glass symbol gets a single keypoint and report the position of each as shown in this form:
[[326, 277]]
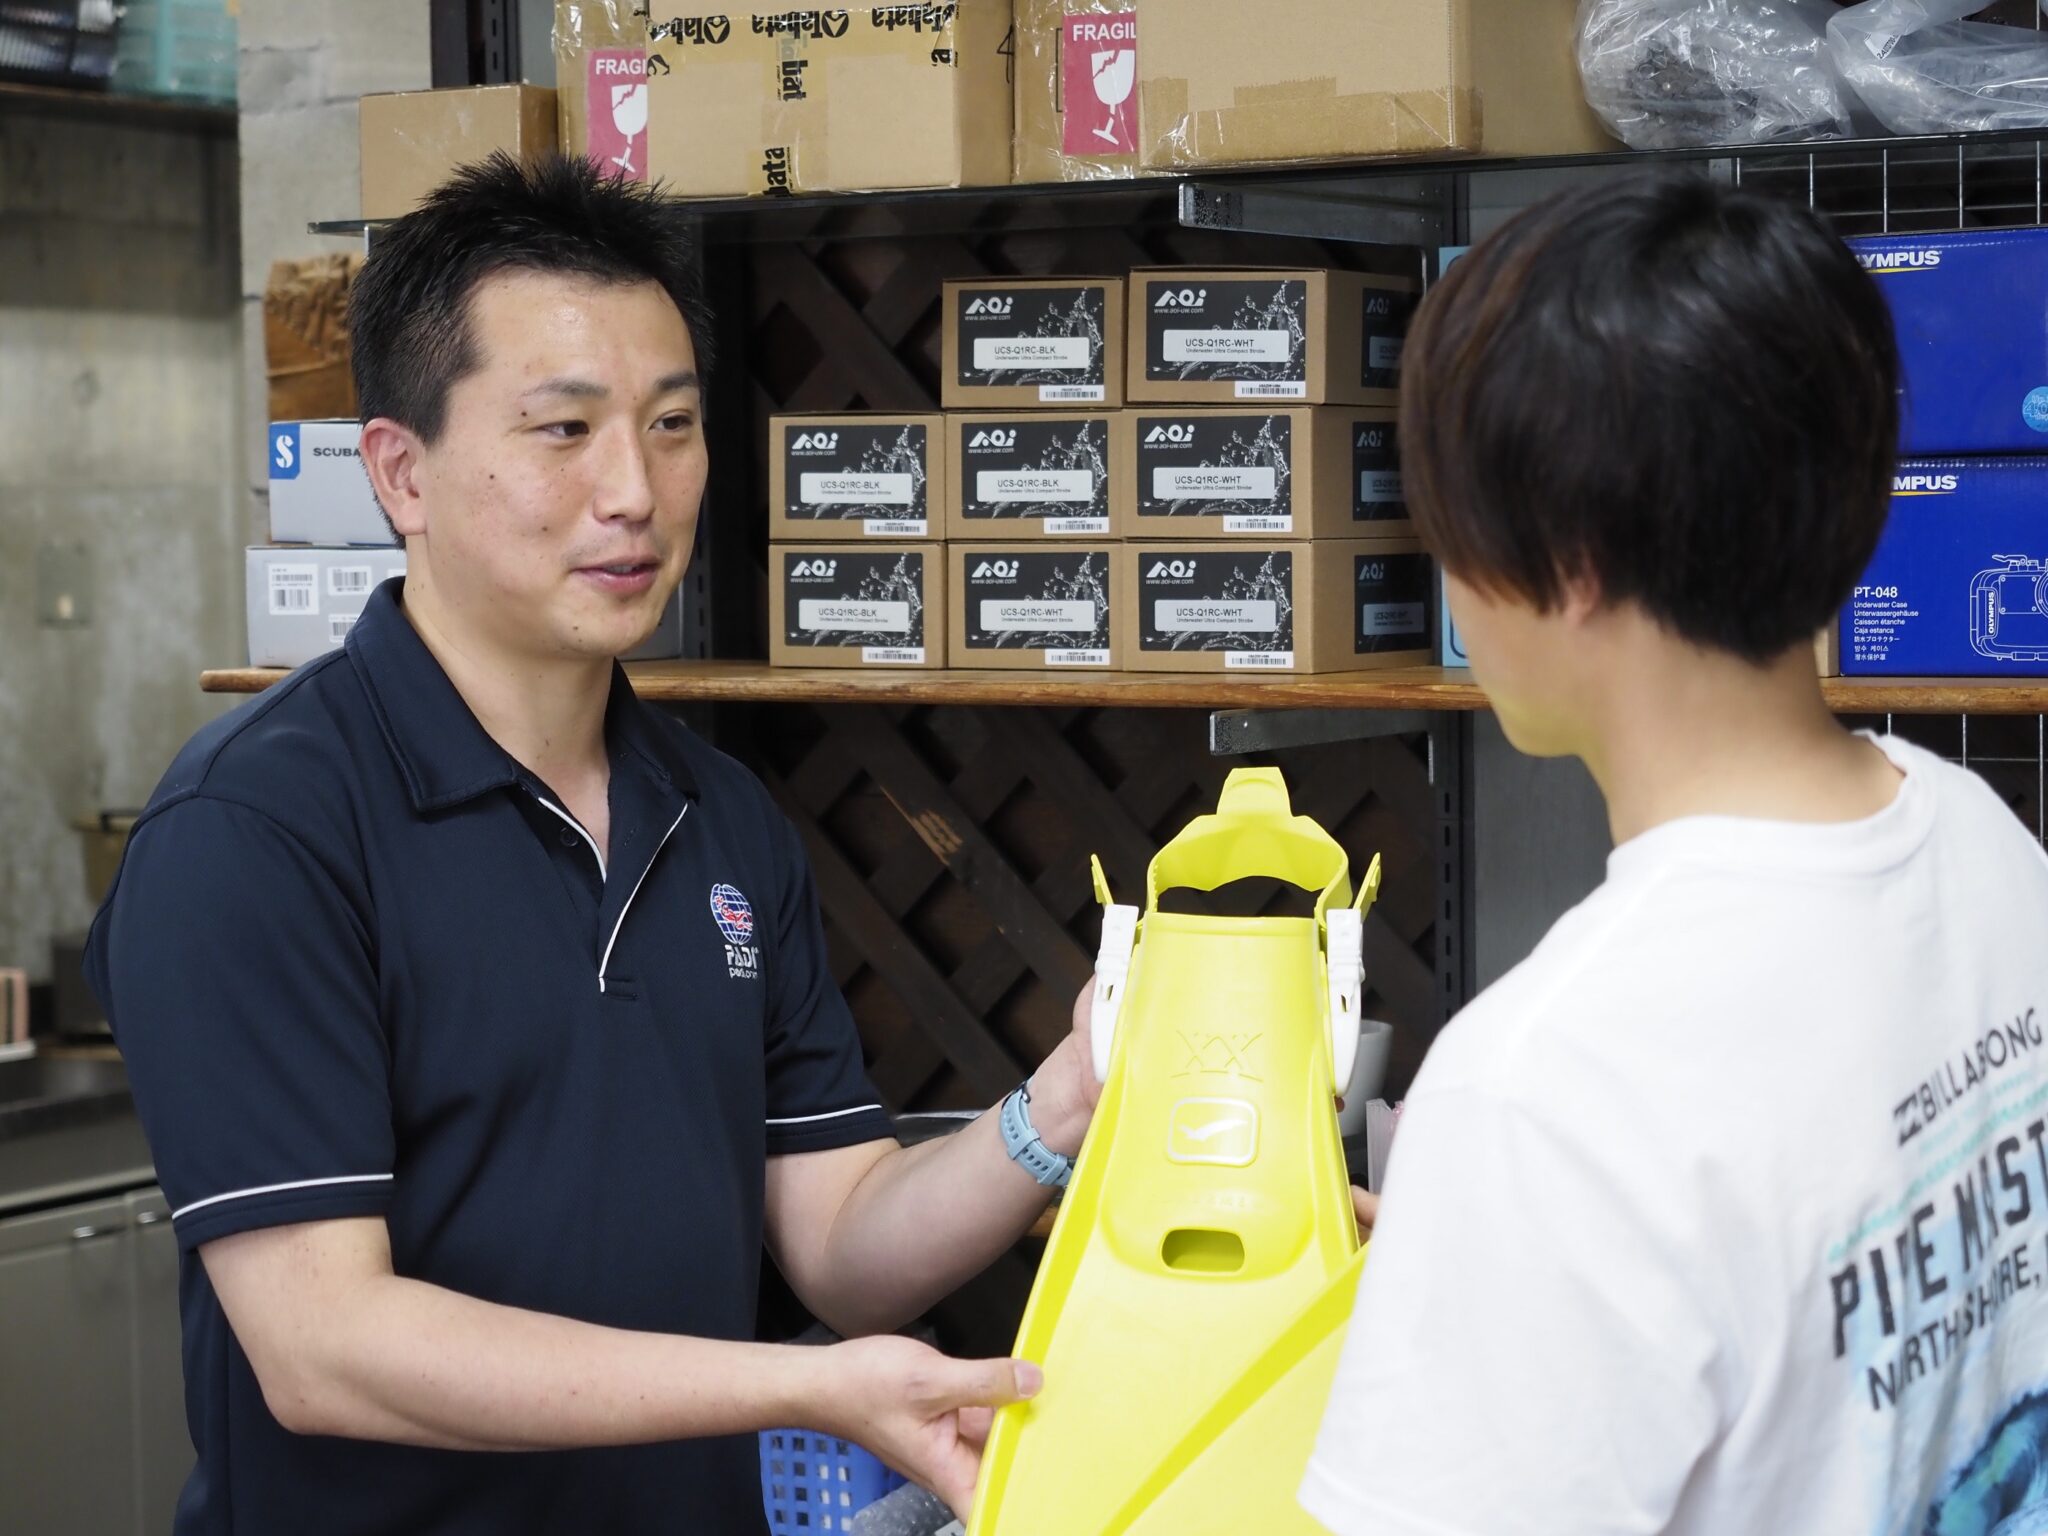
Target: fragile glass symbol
[[629, 116], [1116, 71]]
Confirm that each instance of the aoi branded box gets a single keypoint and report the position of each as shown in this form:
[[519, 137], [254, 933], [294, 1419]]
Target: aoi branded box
[[1036, 474], [854, 605], [319, 492], [1036, 606], [873, 476], [1330, 606], [1277, 472], [1307, 335], [1012, 342], [1959, 584]]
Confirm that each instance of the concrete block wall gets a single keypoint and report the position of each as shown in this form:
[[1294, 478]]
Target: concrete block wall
[[304, 65]]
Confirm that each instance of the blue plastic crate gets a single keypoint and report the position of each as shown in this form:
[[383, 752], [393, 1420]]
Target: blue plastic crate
[[812, 1482], [177, 48]]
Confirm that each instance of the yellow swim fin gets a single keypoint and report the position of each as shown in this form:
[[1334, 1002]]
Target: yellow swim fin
[[1184, 1310]]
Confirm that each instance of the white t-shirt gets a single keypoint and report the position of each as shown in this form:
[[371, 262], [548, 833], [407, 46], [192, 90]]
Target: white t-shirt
[[1727, 1211]]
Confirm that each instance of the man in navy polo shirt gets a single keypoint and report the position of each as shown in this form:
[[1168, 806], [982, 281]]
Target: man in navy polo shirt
[[479, 1015]]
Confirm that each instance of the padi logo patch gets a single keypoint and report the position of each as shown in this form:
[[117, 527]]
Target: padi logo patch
[[1925, 485], [1171, 570], [996, 305], [814, 442], [734, 915], [995, 570], [816, 570], [1183, 299], [1899, 261], [994, 437], [1177, 432]]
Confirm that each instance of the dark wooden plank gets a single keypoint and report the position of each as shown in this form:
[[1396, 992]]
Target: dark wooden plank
[[1125, 846]]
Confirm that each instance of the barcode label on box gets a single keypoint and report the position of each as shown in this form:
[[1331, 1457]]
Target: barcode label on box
[[1259, 661], [1258, 524], [1077, 525], [294, 590], [1077, 658], [893, 527], [338, 626], [1050, 394], [1272, 389], [348, 580], [892, 655]]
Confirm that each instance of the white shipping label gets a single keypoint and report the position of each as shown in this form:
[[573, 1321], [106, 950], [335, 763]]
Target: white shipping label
[[338, 626], [893, 527], [992, 485], [998, 614], [892, 655], [1272, 389], [1392, 618], [993, 352], [1378, 487], [1258, 661], [1057, 394], [1281, 524], [294, 589], [1226, 346], [822, 488], [1248, 617], [1242, 482], [1077, 658], [1077, 525], [1384, 353], [348, 580], [862, 615]]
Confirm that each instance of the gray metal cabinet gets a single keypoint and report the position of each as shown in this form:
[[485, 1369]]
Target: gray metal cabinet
[[92, 1421], [67, 1347], [163, 1446]]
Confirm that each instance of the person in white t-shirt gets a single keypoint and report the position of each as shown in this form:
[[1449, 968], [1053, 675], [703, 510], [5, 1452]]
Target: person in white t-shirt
[[1727, 1210]]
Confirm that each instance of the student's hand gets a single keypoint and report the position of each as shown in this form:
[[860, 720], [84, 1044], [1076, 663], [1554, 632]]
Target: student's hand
[[924, 1413], [1367, 1208], [1063, 1089]]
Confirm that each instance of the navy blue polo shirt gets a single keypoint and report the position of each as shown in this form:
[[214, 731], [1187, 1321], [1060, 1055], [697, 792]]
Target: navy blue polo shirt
[[360, 962]]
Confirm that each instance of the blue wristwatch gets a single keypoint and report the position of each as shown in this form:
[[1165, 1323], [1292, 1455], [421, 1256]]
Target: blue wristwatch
[[1026, 1148]]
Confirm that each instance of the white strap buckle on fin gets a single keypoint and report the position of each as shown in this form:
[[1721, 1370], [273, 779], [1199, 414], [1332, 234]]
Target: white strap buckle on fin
[[1112, 975], [1344, 950]]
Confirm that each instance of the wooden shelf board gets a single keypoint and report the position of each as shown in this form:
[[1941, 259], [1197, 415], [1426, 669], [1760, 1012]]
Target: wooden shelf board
[[1396, 688]]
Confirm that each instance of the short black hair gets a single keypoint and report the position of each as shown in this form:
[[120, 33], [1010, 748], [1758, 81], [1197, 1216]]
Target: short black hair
[[408, 311], [1685, 392]]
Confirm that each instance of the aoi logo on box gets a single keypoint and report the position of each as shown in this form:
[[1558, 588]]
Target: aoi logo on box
[[1181, 298], [1374, 437], [1177, 432], [1178, 570], [815, 569], [997, 305], [994, 437], [996, 570], [815, 442]]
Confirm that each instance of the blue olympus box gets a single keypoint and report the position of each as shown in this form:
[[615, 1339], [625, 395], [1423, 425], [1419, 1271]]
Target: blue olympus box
[[1971, 312], [1959, 584]]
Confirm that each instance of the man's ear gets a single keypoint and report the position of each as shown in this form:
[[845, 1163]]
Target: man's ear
[[1581, 597], [392, 456]]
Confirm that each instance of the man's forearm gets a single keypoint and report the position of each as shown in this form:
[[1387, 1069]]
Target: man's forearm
[[416, 1364]]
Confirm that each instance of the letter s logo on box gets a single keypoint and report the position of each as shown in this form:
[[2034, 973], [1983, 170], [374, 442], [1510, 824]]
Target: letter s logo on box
[[284, 450]]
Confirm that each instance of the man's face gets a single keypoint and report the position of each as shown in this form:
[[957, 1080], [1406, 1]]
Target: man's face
[[560, 502]]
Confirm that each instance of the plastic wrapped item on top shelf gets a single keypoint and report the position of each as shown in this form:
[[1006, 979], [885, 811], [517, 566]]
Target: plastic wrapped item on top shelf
[[1678, 74], [1922, 68]]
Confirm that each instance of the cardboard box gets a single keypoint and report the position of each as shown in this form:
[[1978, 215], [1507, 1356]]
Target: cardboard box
[[601, 58], [1037, 475], [1337, 605], [869, 97], [305, 337], [1959, 584], [1010, 342], [413, 141], [1281, 472], [1220, 83], [1306, 335], [302, 600], [319, 491], [849, 605], [1967, 309], [1077, 90], [875, 476], [1036, 607]]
